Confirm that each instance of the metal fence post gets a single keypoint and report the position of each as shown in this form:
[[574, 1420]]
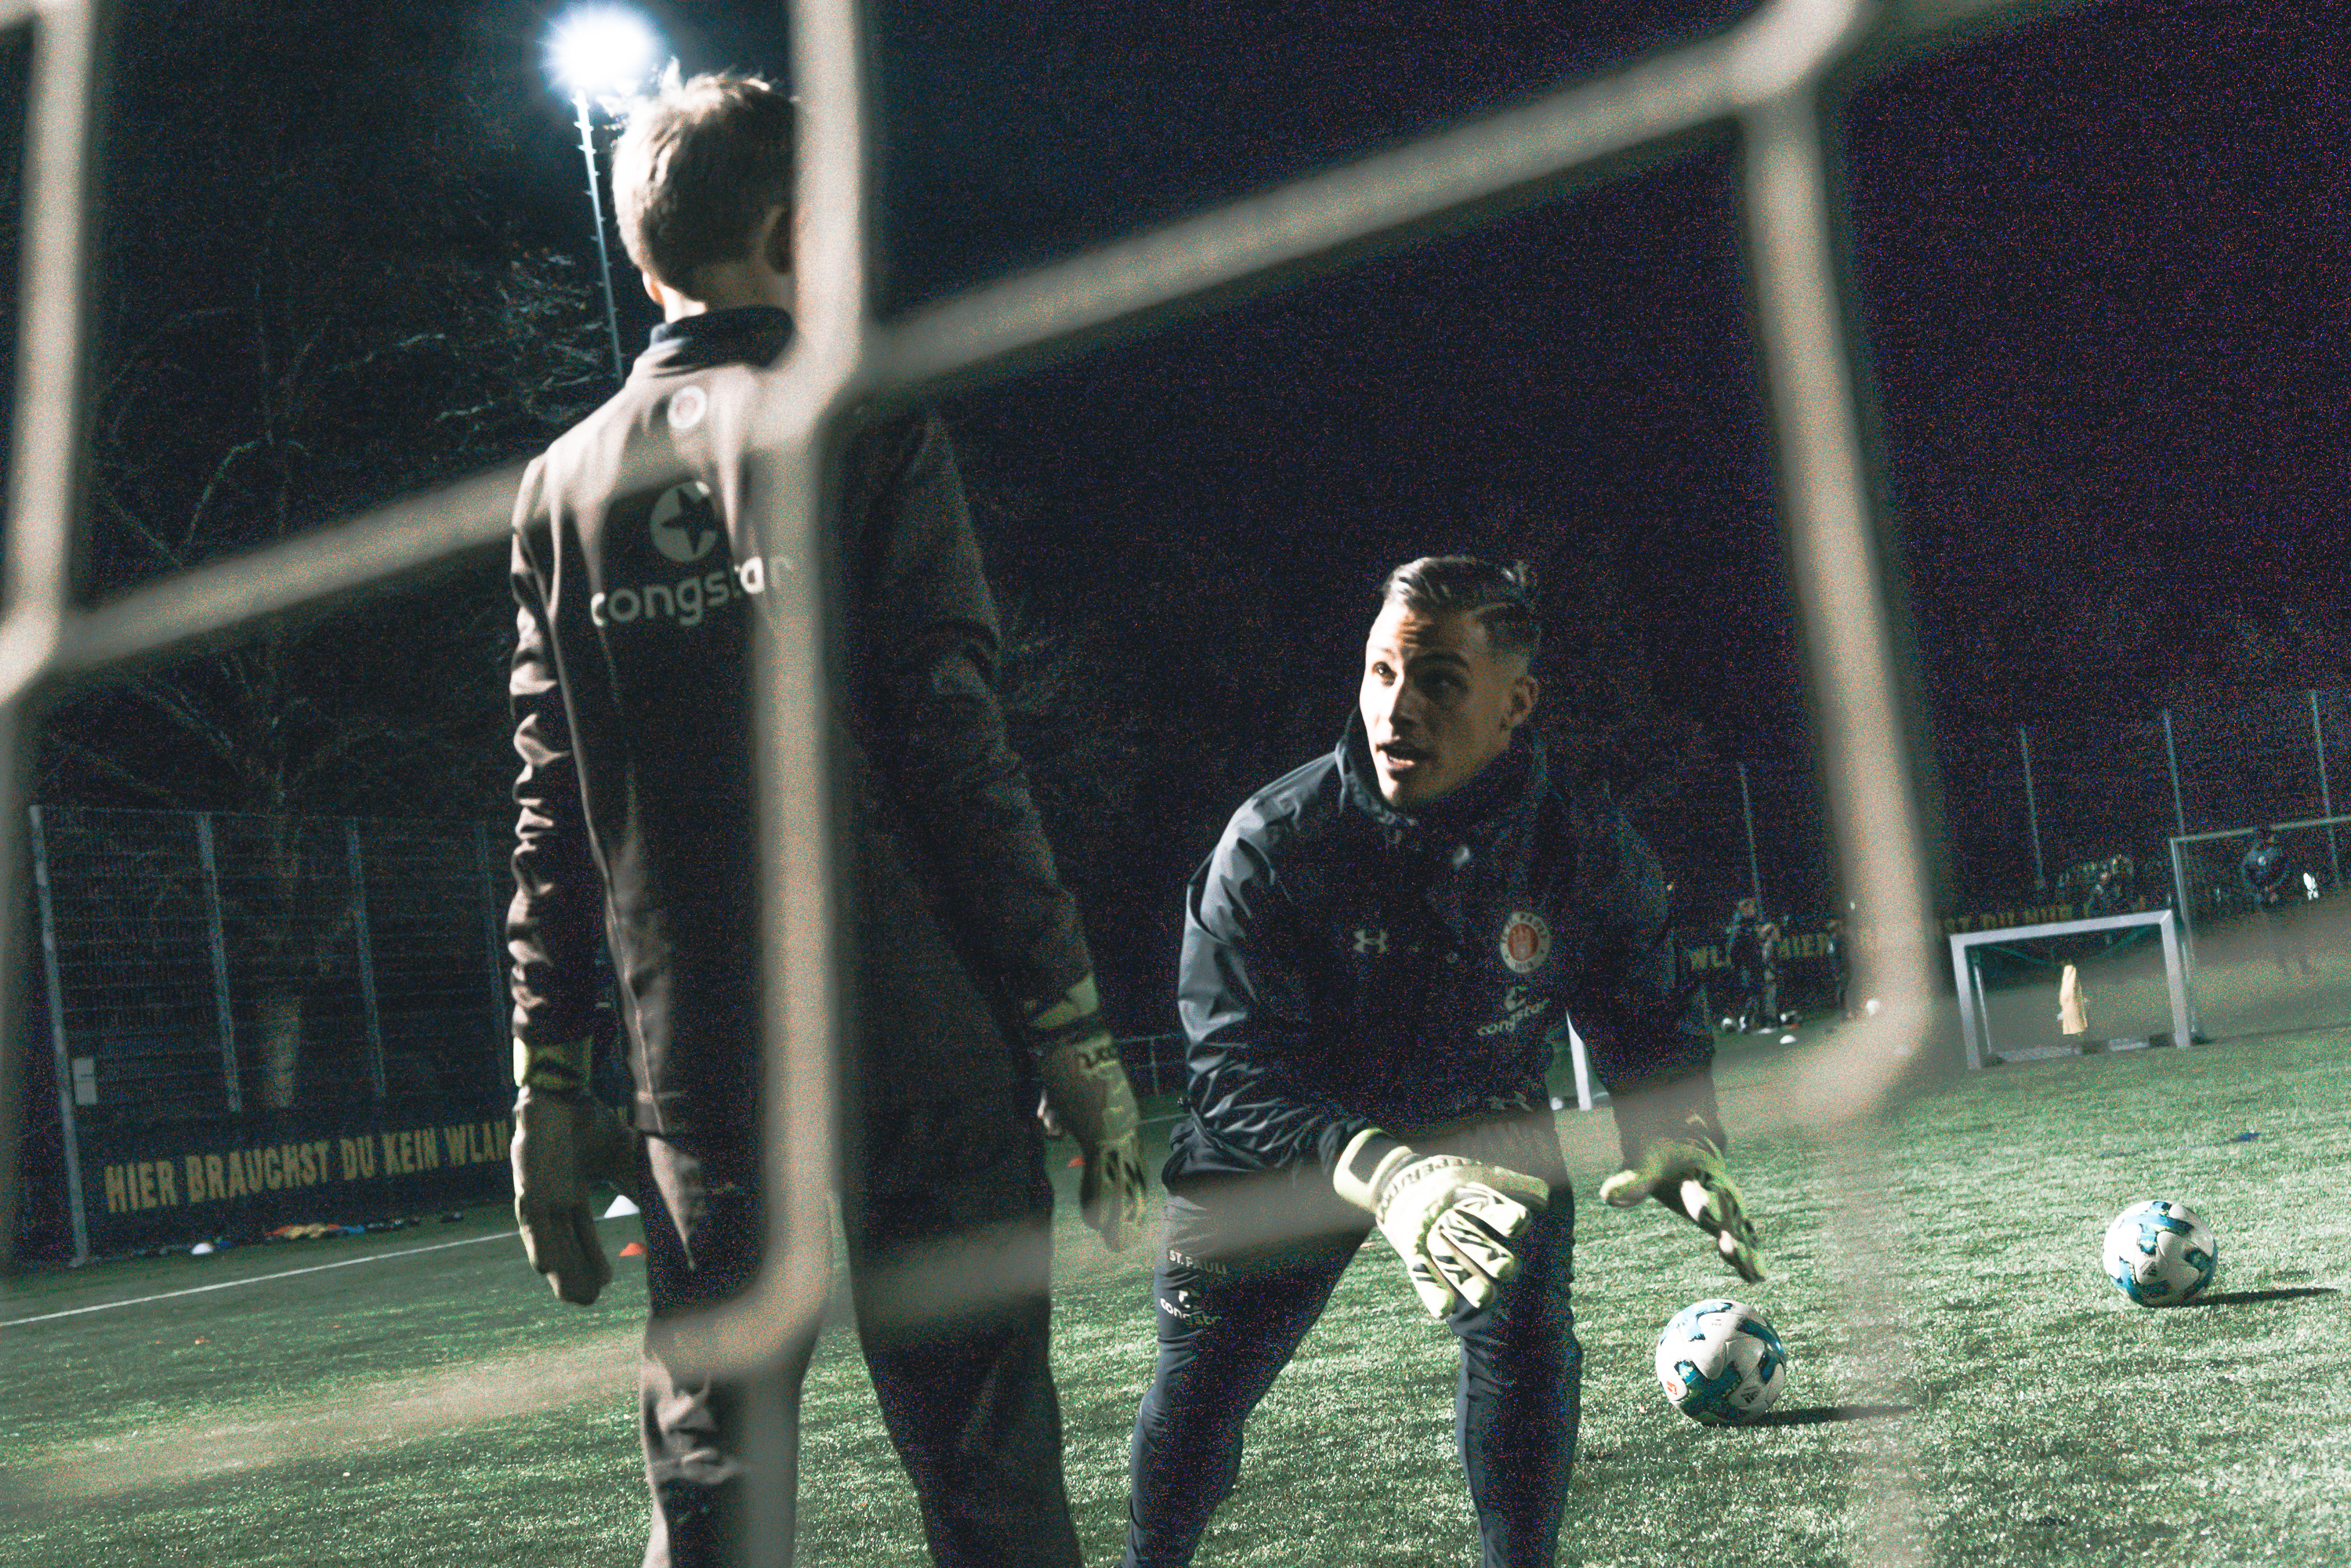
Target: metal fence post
[[68, 1120], [367, 960], [2171, 755], [1754, 866], [2032, 812], [501, 1022], [2325, 795], [226, 1013]]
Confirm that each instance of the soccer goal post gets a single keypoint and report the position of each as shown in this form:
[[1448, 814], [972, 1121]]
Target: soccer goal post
[[2067, 987], [2259, 965]]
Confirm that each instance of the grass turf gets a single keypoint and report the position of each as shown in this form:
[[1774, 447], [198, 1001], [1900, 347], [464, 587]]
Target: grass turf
[[354, 1416]]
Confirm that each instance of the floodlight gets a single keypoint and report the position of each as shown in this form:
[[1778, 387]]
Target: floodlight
[[602, 52]]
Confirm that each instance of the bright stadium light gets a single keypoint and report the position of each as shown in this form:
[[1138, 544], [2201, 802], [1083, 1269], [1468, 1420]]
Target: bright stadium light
[[602, 52], [605, 55]]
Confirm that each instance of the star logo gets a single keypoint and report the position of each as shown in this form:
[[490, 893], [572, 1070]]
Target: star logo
[[684, 524]]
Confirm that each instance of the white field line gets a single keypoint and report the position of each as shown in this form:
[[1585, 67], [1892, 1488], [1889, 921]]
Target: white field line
[[312, 1268], [260, 1278]]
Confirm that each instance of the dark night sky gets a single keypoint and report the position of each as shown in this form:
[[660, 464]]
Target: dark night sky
[[2100, 284], [2099, 263]]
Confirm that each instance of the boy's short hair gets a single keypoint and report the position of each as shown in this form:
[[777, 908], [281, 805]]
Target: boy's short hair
[[697, 168], [1502, 597]]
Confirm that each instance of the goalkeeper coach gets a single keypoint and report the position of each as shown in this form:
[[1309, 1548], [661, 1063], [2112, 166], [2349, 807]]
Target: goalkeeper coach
[[630, 686], [1376, 960]]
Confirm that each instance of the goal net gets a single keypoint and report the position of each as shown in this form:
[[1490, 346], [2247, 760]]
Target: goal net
[[2072, 987], [2263, 940]]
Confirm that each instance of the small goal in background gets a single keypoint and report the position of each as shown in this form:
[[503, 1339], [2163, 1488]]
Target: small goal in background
[[2128, 991]]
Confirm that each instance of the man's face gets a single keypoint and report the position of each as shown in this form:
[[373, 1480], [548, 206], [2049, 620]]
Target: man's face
[[1437, 702]]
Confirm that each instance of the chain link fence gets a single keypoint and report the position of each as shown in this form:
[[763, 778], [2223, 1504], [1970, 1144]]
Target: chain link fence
[[202, 965], [218, 986], [2029, 814]]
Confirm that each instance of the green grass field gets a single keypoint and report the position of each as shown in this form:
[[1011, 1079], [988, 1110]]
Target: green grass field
[[439, 1407]]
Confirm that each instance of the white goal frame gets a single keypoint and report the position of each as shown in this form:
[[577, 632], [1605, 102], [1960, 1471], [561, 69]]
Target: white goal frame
[[1975, 1028], [2179, 880]]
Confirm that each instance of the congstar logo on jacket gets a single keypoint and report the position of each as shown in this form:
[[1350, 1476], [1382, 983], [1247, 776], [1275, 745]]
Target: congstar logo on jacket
[[683, 524]]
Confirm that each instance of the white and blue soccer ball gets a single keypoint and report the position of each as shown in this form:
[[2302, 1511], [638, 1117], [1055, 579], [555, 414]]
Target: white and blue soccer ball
[[2160, 1253], [1720, 1362]]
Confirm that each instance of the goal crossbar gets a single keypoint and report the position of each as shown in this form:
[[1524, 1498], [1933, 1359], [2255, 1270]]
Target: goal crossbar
[[1975, 1027]]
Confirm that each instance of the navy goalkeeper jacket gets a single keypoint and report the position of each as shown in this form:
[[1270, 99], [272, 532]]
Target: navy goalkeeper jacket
[[1346, 966], [632, 719]]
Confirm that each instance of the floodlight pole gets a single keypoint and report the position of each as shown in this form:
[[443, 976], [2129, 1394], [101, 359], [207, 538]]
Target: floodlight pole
[[1754, 866], [2171, 755], [604, 252], [2032, 812], [2325, 795]]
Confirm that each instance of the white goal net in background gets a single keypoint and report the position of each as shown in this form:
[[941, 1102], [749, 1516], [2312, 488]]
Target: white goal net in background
[[2070, 988], [1765, 75], [2258, 968]]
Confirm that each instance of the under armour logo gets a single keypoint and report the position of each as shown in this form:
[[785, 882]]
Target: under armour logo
[[1368, 941]]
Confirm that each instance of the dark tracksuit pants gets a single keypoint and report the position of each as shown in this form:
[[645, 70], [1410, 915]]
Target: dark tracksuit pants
[[1748, 977], [2282, 918], [950, 1261], [1231, 1312]]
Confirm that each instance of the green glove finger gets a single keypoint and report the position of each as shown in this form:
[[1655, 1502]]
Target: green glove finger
[[1438, 1296], [1626, 1189], [1688, 1179], [590, 1271], [1113, 1193], [561, 1243], [1469, 1259], [1714, 1206]]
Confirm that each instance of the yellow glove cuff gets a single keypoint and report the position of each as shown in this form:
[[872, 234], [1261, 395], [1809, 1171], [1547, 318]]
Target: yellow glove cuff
[[560, 1067], [1080, 1001]]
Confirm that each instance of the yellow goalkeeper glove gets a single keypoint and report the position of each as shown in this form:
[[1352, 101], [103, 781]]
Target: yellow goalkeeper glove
[[564, 1139], [1087, 1094], [1687, 1176]]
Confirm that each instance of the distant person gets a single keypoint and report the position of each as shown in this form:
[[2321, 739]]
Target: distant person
[[2272, 882], [1743, 948], [1767, 986], [2105, 895], [1835, 948], [1378, 959], [641, 553]]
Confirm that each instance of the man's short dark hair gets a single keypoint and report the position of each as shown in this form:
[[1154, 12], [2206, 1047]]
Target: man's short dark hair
[[696, 170], [1502, 597]]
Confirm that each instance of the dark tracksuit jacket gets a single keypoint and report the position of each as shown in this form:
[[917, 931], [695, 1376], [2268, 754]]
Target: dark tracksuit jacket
[[1346, 966], [632, 719], [632, 722], [2269, 877]]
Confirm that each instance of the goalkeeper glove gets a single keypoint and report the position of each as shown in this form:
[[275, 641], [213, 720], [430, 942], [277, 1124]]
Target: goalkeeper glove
[[1685, 1174], [1086, 1093], [1450, 1218], [563, 1140]]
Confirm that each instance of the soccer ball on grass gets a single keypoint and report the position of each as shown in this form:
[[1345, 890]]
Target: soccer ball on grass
[[1720, 1362], [2160, 1252]]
